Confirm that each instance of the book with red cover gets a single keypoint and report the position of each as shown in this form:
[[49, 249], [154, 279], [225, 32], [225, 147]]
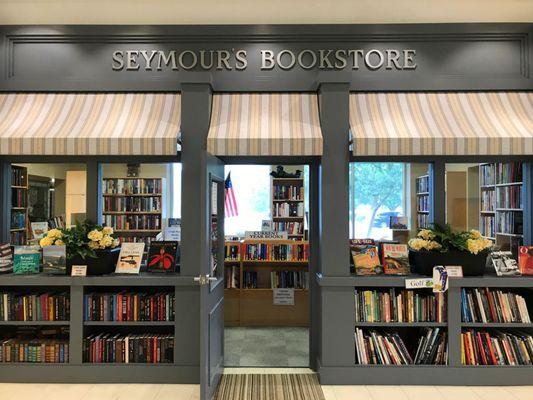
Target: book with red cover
[[525, 260]]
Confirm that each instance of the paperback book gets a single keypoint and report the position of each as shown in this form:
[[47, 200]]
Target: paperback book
[[504, 263], [27, 260], [365, 257], [396, 259], [163, 256], [130, 258], [55, 260], [398, 222], [39, 229], [525, 260]]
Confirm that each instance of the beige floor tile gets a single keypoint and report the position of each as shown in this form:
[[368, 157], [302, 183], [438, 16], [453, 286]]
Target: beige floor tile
[[352, 392], [422, 393], [458, 393], [520, 392], [65, 391], [21, 391], [329, 392], [104, 391], [494, 393], [387, 393], [176, 392]]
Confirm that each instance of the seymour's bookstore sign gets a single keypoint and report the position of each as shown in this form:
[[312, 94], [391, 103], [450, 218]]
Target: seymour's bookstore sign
[[325, 59]]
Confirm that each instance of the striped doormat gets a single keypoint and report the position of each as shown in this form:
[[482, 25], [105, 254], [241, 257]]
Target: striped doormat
[[269, 387]]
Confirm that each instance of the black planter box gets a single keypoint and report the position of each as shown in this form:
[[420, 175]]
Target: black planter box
[[104, 263], [422, 262]]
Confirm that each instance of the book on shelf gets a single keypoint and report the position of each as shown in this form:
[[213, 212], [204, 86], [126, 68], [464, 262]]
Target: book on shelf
[[163, 256], [365, 257], [292, 228], [504, 263], [395, 259], [398, 222], [27, 260], [47, 306], [289, 279], [6, 258], [19, 197], [275, 252], [487, 174], [132, 186], [288, 192], [399, 305], [55, 260], [19, 176], [35, 345], [493, 305], [132, 204], [249, 280], [231, 280], [487, 226], [422, 184], [39, 229], [18, 219], [509, 197], [422, 203], [57, 222], [422, 221], [126, 222], [232, 252], [525, 260], [510, 222], [132, 348], [126, 306], [288, 210], [130, 258], [479, 347], [487, 200], [389, 348], [508, 172]]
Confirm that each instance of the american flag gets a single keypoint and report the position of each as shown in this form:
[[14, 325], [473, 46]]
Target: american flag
[[230, 203]]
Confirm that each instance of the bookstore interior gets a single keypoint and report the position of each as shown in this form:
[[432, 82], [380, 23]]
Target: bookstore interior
[[357, 212]]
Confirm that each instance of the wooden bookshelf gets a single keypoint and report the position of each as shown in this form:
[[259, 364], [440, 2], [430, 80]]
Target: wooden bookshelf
[[19, 224], [247, 306], [130, 201], [422, 201], [500, 201], [288, 206]]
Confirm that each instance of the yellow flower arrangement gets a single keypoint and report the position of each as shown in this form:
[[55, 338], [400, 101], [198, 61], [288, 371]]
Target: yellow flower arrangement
[[107, 230], [46, 241], [95, 235], [444, 239]]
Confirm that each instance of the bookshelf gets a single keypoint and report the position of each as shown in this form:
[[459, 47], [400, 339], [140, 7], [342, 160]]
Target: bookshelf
[[288, 210], [422, 202], [19, 205], [133, 207], [248, 293], [501, 207], [77, 369]]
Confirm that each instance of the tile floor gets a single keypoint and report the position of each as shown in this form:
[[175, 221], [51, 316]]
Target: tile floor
[[280, 347], [10, 391]]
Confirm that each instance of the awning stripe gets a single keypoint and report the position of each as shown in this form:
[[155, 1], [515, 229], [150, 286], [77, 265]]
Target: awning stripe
[[265, 125], [474, 123], [89, 124]]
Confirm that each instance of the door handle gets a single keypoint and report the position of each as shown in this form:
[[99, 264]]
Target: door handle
[[204, 279]]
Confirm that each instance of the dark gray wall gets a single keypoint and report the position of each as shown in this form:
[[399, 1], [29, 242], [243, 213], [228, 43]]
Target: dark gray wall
[[448, 56]]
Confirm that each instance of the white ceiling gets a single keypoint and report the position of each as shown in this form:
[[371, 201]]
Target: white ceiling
[[261, 11]]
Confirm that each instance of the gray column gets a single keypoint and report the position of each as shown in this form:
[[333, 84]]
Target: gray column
[[94, 192], [454, 325], [314, 263], [76, 323], [437, 192]]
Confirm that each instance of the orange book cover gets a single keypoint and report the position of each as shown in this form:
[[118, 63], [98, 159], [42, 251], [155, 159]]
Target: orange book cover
[[525, 260]]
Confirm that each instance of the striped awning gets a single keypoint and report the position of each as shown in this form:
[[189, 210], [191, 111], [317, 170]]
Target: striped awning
[[89, 124], [265, 125], [442, 123]]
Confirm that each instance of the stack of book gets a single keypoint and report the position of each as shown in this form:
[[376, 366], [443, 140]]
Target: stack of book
[[34, 307], [289, 279], [496, 348], [34, 351], [492, 305], [276, 252], [117, 348], [399, 306], [129, 307]]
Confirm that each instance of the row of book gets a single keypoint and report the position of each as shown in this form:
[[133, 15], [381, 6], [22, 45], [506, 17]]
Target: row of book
[[232, 252], [276, 252], [132, 186], [132, 222], [288, 210], [18, 220], [288, 192], [18, 176], [487, 174], [34, 351], [292, 228], [508, 172], [34, 307], [231, 277], [132, 204], [422, 184], [129, 307], [487, 200], [422, 221], [509, 196], [19, 197], [289, 279], [399, 306], [487, 226], [117, 348], [493, 305], [384, 348], [496, 348], [422, 203], [147, 240], [17, 238], [249, 280], [510, 222]]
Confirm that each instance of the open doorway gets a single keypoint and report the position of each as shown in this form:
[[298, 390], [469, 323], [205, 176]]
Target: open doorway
[[266, 268]]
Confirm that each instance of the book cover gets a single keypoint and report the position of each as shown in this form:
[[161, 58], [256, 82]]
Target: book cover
[[27, 260], [162, 256], [365, 257], [39, 229], [55, 260], [398, 222], [504, 263], [396, 259], [130, 258], [6, 258], [525, 260]]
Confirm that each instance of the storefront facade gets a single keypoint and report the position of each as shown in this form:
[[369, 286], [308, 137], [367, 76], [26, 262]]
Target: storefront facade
[[214, 70]]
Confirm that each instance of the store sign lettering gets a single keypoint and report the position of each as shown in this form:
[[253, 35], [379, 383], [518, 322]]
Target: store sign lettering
[[228, 60]]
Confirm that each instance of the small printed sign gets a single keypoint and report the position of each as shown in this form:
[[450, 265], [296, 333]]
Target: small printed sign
[[454, 271], [266, 235], [419, 283], [79, 270], [283, 297]]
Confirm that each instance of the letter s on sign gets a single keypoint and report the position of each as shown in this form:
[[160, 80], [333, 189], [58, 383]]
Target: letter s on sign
[[118, 60]]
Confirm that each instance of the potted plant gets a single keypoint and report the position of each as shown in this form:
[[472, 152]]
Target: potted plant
[[442, 246], [86, 244]]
